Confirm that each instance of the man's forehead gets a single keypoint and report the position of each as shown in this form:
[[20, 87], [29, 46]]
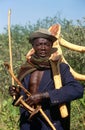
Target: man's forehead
[[42, 40]]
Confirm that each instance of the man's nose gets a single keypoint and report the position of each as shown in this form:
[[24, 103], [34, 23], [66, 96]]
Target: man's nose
[[43, 46]]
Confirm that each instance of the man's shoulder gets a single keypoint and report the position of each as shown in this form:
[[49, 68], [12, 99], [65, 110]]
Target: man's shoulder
[[25, 69], [63, 65]]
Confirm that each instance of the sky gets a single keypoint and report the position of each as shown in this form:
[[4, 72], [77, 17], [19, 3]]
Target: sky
[[23, 11]]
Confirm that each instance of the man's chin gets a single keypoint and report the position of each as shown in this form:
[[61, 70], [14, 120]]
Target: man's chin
[[42, 56]]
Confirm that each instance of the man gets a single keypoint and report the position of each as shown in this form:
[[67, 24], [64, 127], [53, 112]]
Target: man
[[37, 77]]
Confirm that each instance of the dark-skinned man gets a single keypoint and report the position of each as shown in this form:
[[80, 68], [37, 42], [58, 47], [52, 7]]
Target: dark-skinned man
[[36, 76]]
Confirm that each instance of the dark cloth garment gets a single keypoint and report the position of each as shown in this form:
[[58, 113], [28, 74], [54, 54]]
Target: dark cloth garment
[[70, 90], [33, 64]]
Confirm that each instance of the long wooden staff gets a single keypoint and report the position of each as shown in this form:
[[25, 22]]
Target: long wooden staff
[[10, 69], [55, 29], [10, 46], [58, 85]]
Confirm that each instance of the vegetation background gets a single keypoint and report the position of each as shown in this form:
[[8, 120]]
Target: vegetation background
[[9, 115]]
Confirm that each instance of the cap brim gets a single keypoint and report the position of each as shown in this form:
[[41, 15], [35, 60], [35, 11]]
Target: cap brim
[[41, 35]]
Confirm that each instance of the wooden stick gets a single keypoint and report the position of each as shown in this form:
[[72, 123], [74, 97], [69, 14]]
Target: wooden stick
[[76, 75], [55, 30], [28, 93], [14, 77], [10, 47], [71, 46], [58, 85]]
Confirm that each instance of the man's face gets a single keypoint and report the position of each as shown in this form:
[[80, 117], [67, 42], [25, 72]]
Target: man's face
[[42, 47]]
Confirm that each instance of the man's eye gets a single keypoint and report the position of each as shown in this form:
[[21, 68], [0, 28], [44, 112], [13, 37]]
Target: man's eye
[[48, 44], [45, 44], [38, 44]]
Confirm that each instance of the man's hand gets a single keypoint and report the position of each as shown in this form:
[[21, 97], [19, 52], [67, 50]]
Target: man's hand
[[36, 98], [14, 91]]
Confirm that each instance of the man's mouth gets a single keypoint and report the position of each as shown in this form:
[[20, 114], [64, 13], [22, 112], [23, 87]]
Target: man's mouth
[[42, 52]]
